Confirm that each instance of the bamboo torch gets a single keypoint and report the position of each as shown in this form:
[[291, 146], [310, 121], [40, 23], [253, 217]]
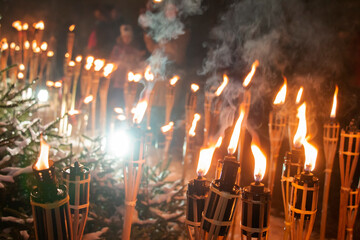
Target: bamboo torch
[[85, 80], [98, 65], [49, 201], [352, 209], [130, 90], [43, 60], [170, 96], [70, 41], [277, 124], [256, 201], [49, 65], [39, 31], [103, 93], [26, 57], [75, 82], [167, 130], [133, 167], [3, 60], [348, 158], [150, 77], [330, 140]]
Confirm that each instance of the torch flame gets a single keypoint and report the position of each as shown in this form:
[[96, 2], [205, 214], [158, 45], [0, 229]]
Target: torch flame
[[20, 75], [50, 53], [72, 27], [17, 48], [88, 99], [299, 94], [33, 45], [71, 64], [218, 143], [134, 77], [4, 46], [37, 50], [194, 87], [236, 133], [89, 62], [280, 97], [204, 163], [39, 25], [174, 80], [99, 63], [12, 45], [140, 111], [333, 109], [58, 84], [149, 76], [260, 162], [167, 127], [73, 112], [310, 156], [222, 86], [78, 58], [44, 46], [300, 134], [50, 83], [193, 125], [43, 159], [251, 74], [118, 110], [26, 44], [25, 26], [17, 25], [21, 67], [108, 69]]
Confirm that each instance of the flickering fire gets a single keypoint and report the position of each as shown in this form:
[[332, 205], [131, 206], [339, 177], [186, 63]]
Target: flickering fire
[[167, 127], [25, 26], [39, 25], [251, 74], [88, 99], [333, 109], [118, 110], [260, 162], [299, 95], [17, 48], [99, 63], [44, 46], [4, 46], [89, 62], [310, 156], [50, 53], [17, 25], [43, 159], [21, 67], [204, 163], [73, 112], [72, 27], [33, 45], [193, 125], [139, 111], [67, 55], [134, 77], [222, 86], [58, 84], [121, 117], [37, 50], [174, 80], [26, 44], [12, 45], [300, 134], [50, 83], [71, 64], [149, 76], [78, 58], [194, 87], [280, 97], [218, 143], [236, 133], [20, 75], [108, 69]]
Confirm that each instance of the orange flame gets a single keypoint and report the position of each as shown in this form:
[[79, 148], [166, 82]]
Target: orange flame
[[44, 46], [99, 63], [251, 74], [236, 133], [17, 48], [43, 159], [299, 94], [50, 83], [194, 87], [89, 62], [21, 67], [37, 50], [139, 111], [33, 45], [333, 109], [17, 25], [72, 27], [300, 134], [78, 58], [174, 80], [149, 76], [26, 44], [222, 86], [218, 143], [50, 53], [167, 127], [88, 99], [73, 112], [280, 97], [134, 77], [71, 64], [12, 45], [25, 26], [108, 69], [193, 125], [39, 25], [310, 156], [58, 84], [205, 158], [20, 75], [260, 162], [118, 110], [4, 46]]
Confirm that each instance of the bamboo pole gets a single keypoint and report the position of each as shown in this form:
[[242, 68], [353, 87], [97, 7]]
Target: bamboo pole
[[209, 96], [330, 140], [352, 209]]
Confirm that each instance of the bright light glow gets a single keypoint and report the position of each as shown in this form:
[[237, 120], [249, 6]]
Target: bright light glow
[[194, 87], [12, 45], [25, 26], [43, 95], [78, 58], [50, 53], [58, 84], [204, 163], [139, 111], [119, 143], [108, 69], [17, 48], [39, 25], [218, 143], [134, 77], [99, 63], [89, 62], [21, 67], [73, 112], [71, 64], [236, 133], [43, 160], [167, 127], [249, 77], [26, 94], [149, 76], [333, 109], [88, 99], [121, 117], [44, 46], [310, 156], [118, 110], [67, 55], [222, 86], [4, 46], [20, 75], [71, 28], [37, 50], [300, 134], [260, 162], [174, 80], [50, 83], [280, 97], [17, 25], [26, 44], [193, 125], [299, 95]]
